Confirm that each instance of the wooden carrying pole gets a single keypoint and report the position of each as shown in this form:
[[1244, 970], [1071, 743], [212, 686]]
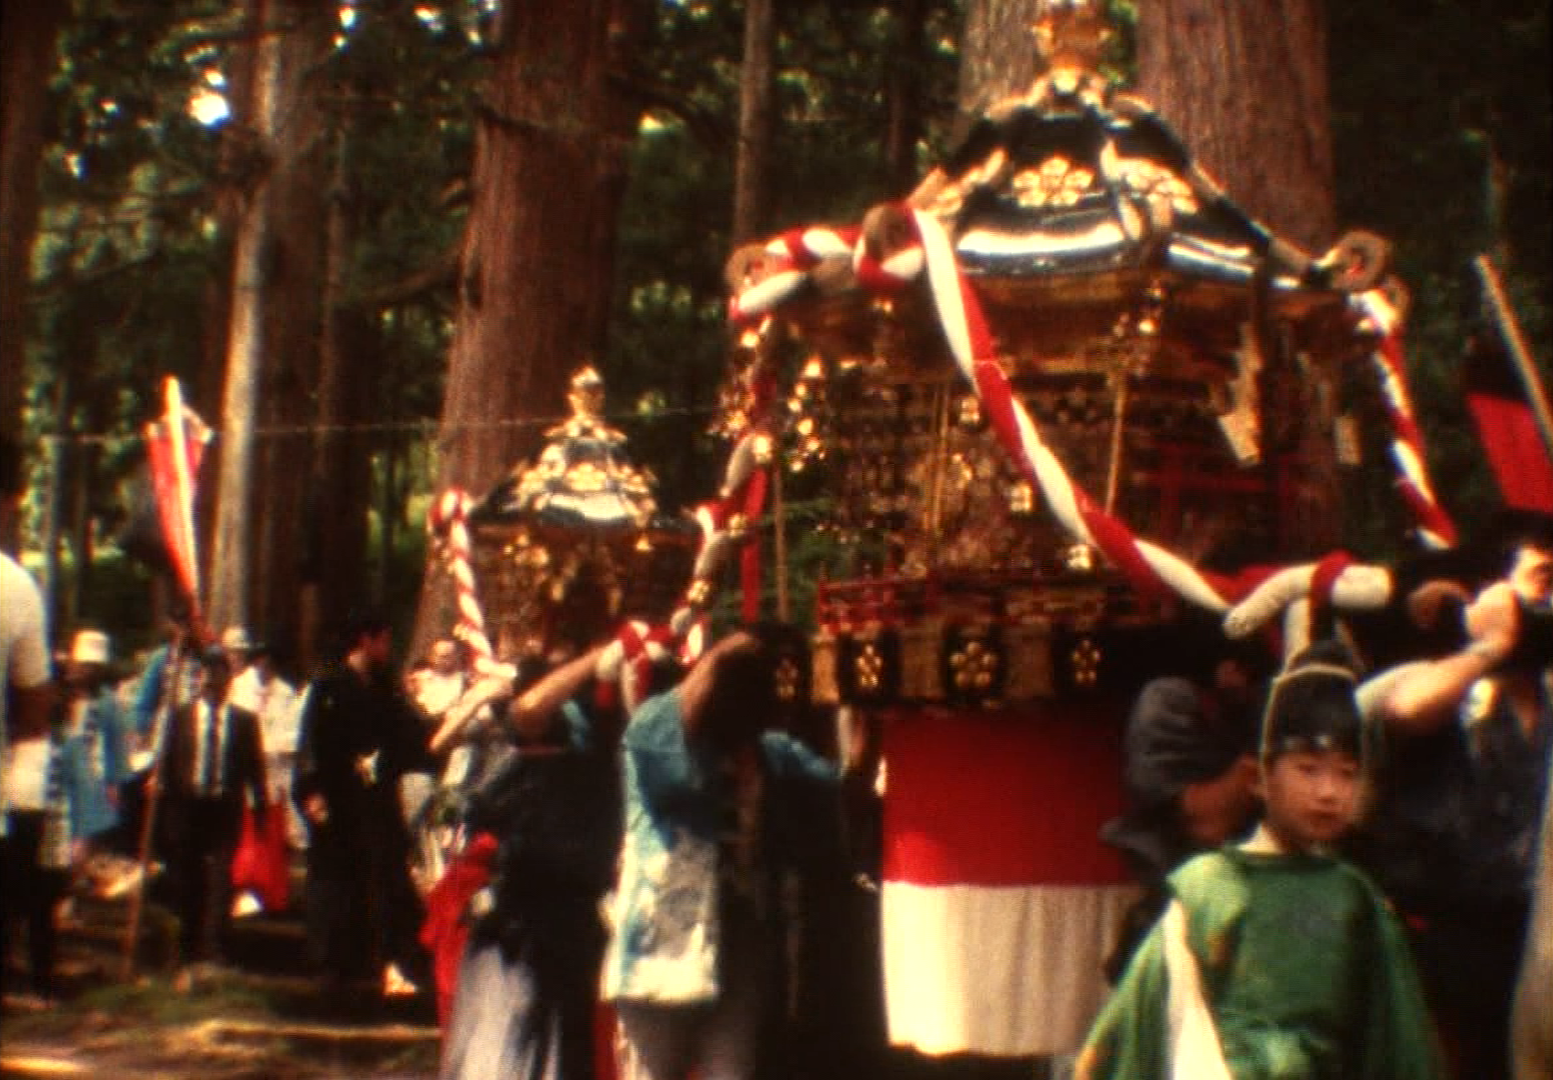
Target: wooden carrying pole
[[173, 677], [1520, 355]]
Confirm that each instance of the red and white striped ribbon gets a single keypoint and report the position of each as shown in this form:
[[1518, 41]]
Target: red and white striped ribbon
[[449, 525], [1435, 528], [791, 258]]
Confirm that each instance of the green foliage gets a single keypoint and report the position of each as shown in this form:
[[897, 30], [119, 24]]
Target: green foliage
[[1442, 139]]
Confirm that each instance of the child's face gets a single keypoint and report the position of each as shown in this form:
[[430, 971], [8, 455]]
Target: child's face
[[1312, 796]]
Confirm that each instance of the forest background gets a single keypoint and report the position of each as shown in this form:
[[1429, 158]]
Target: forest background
[[284, 188]]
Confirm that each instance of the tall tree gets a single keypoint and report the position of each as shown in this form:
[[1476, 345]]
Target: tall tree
[[556, 127], [997, 55], [905, 90], [752, 166], [272, 341], [26, 61], [232, 547], [293, 300], [1245, 85]]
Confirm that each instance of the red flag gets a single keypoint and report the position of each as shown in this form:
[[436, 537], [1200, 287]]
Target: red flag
[[176, 446], [1506, 421]]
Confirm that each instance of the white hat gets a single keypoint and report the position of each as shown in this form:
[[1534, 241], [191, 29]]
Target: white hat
[[89, 647], [235, 639]]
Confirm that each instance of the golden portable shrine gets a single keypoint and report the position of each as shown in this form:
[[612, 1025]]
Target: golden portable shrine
[[568, 544], [1172, 356]]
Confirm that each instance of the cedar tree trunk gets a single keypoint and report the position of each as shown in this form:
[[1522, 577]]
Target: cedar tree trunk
[[26, 62], [903, 93], [293, 302], [998, 57], [275, 321], [1245, 86], [555, 131], [752, 166]]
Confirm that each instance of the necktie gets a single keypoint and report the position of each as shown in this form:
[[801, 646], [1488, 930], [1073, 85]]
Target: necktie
[[208, 760]]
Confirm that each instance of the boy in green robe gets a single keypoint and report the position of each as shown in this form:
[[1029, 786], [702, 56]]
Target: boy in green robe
[[1275, 960]]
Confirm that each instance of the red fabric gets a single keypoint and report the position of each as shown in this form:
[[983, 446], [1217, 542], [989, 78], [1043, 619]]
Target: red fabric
[[604, 1042], [1322, 581], [749, 570], [1118, 545], [261, 864], [1514, 447], [445, 931], [174, 508], [1003, 799]]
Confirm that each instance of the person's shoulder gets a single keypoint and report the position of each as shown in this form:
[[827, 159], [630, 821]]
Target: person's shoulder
[[1359, 880], [330, 680], [656, 721], [1205, 866], [1211, 888], [1203, 875], [21, 601]]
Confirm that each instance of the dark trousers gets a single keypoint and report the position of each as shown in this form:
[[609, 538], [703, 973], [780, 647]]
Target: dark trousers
[[125, 837], [335, 902], [1468, 963], [362, 907], [28, 897], [202, 838]]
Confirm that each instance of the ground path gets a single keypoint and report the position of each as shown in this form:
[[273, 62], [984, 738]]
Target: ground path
[[262, 1018]]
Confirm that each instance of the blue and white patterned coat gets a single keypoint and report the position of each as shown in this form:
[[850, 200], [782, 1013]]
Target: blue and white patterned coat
[[665, 909]]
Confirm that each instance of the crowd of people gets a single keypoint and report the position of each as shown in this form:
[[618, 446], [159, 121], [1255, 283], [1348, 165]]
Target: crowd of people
[[1336, 858]]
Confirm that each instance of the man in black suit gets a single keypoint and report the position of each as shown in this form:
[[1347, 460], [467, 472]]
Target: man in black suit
[[358, 736], [213, 755]]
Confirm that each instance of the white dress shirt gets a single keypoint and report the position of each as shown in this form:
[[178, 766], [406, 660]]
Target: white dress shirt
[[210, 785]]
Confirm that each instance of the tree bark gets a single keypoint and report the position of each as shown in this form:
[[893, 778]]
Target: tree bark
[[552, 150], [231, 550], [903, 93], [82, 471], [998, 56], [275, 313], [1245, 85], [294, 313], [26, 62], [342, 467], [757, 89]]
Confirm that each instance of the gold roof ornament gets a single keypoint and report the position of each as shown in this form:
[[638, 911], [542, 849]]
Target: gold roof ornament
[[585, 397], [583, 477], [1070, 35]]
